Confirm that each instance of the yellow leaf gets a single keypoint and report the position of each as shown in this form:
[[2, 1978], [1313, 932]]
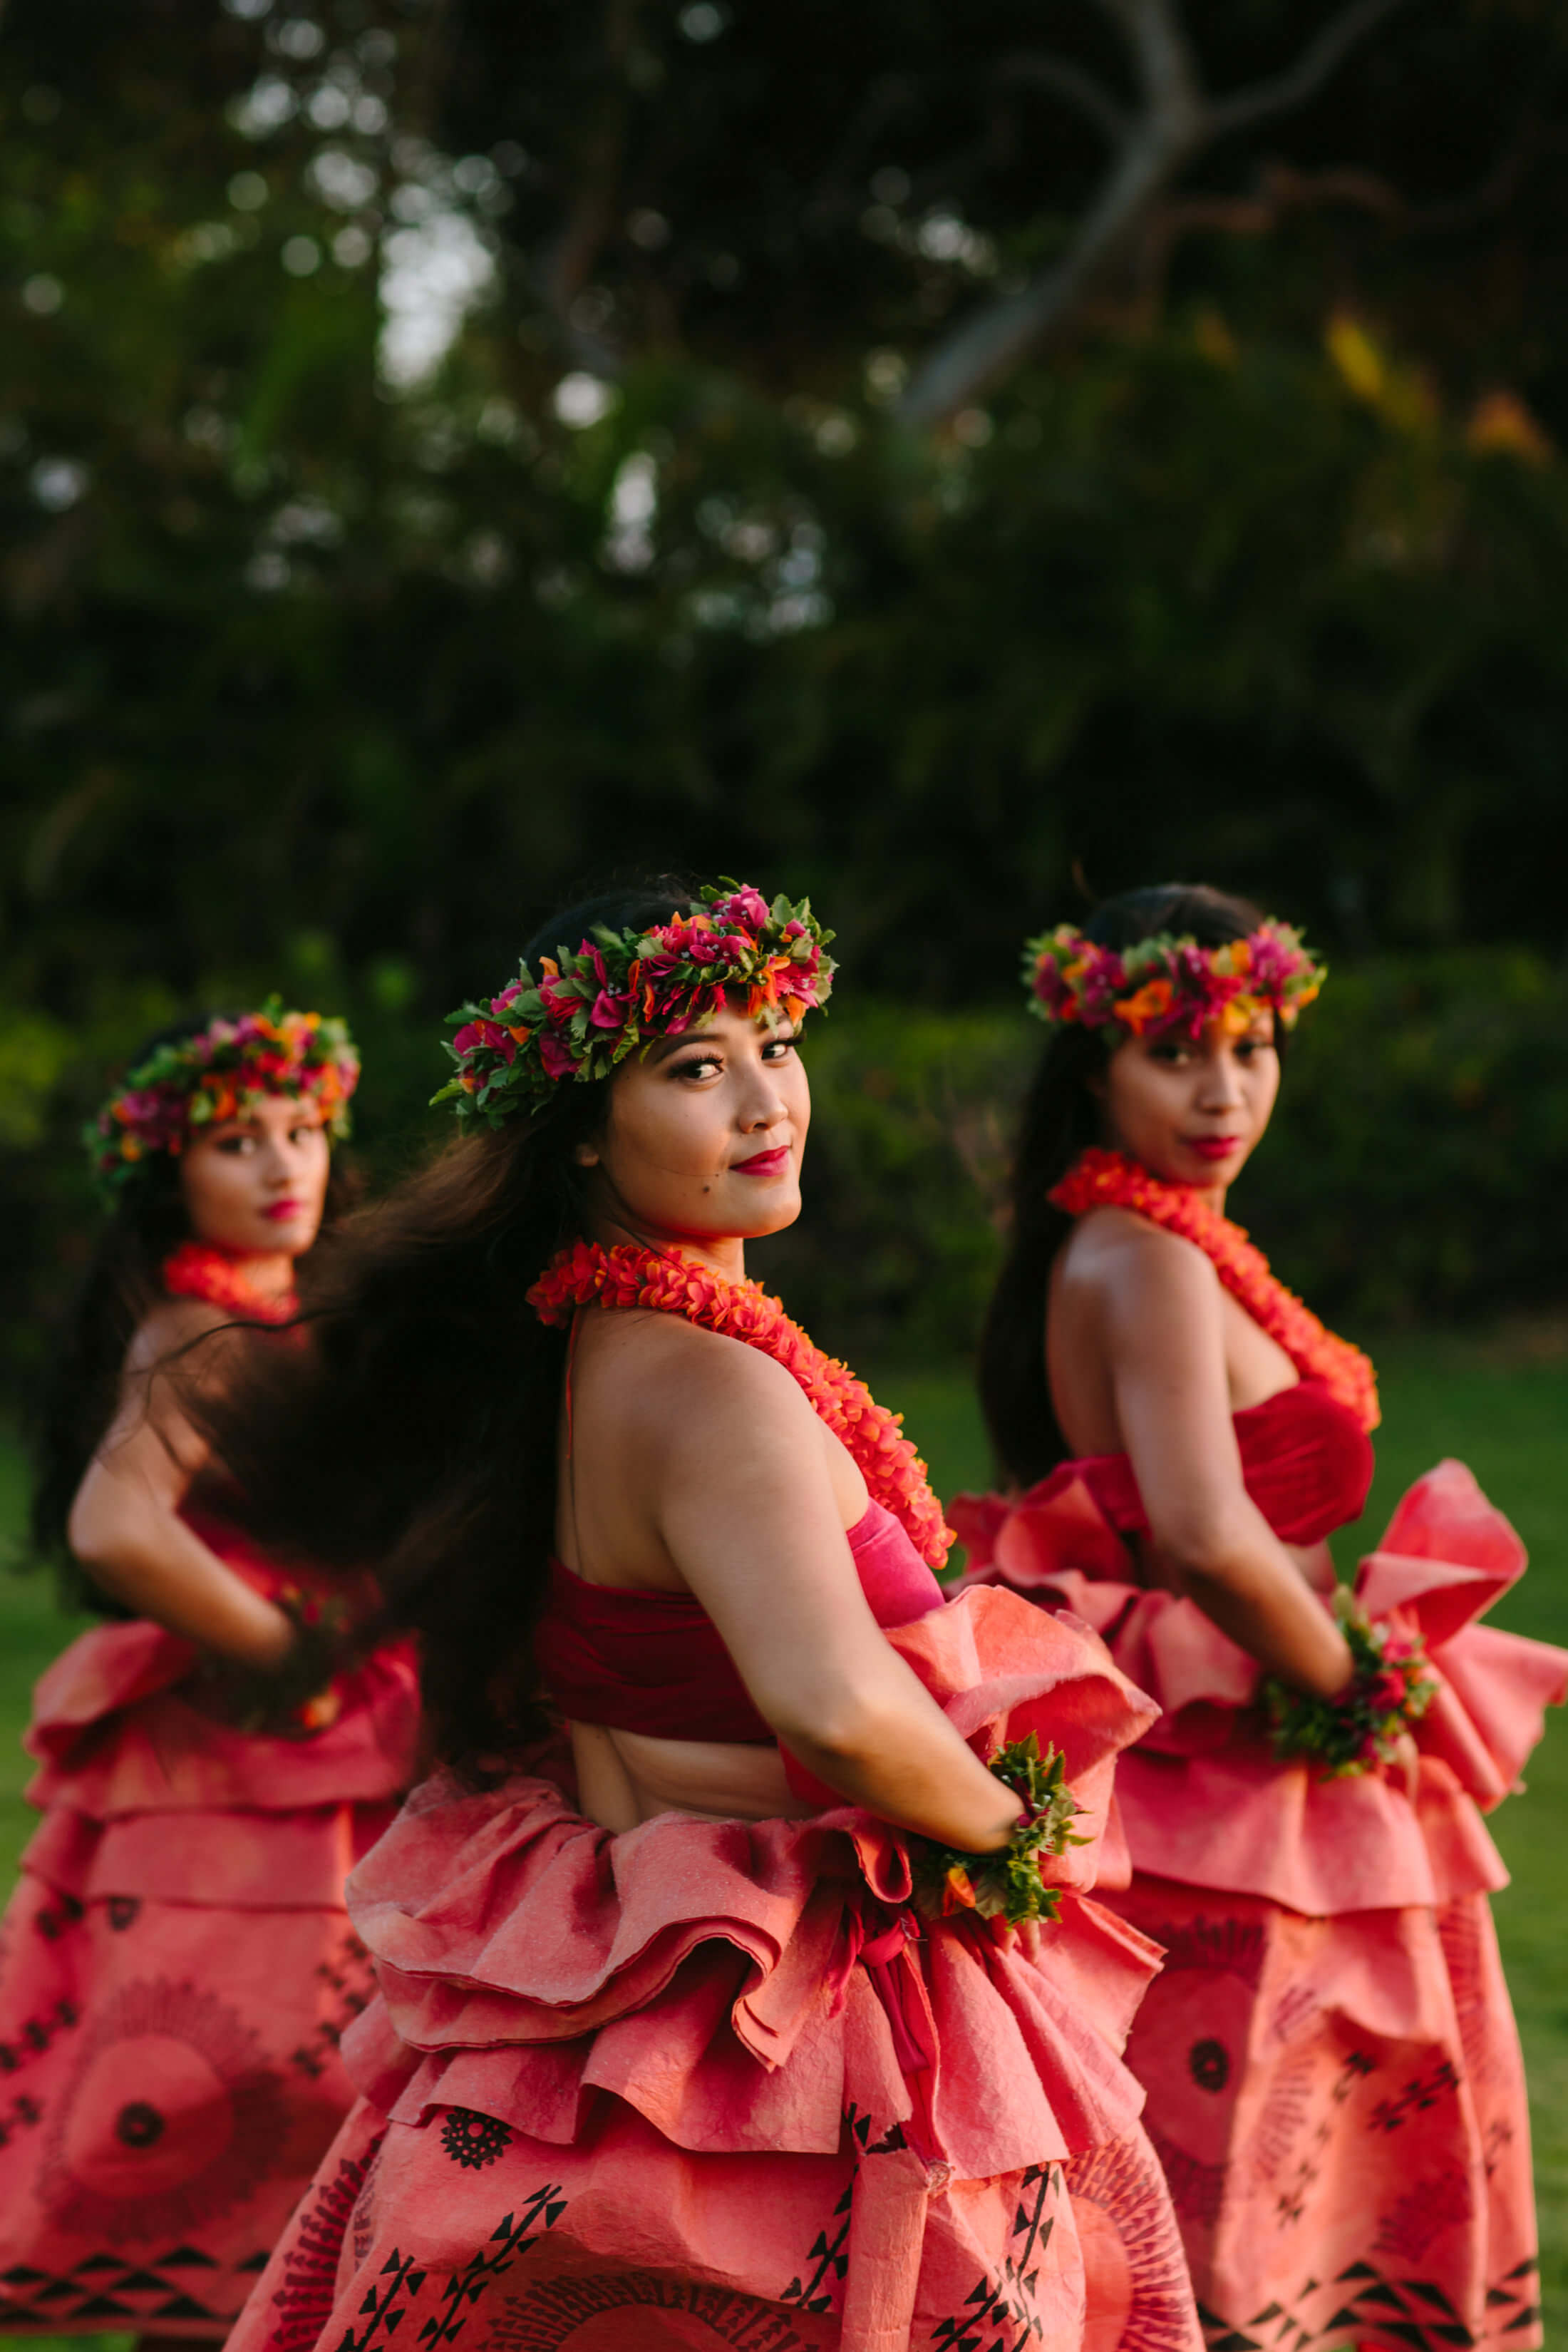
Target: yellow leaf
[[1360, 362]]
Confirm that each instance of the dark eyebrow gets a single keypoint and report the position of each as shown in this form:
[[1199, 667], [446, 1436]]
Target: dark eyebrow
[[662, 1047]]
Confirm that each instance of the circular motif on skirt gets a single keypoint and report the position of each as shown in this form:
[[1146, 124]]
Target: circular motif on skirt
[[124, 1910], [1137, 2288], [601, 2315], [1208, 2064], [172, 2118], [474, 2140], [138, 2123], [1184, 2050]]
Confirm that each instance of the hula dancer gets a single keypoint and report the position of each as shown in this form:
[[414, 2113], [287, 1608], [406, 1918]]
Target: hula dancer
[[176, 1964], [766, 2009], [1333, 2072]]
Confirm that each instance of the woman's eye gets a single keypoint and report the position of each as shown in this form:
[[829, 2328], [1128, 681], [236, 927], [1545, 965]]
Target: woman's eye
[[777, 1049], [235, 1145], [700, 1069]]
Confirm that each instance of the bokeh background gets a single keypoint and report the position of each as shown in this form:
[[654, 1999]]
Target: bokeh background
[[955, 462], [952, 462]]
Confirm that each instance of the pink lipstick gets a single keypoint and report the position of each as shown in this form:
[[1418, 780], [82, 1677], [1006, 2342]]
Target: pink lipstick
[[280, 1211], [762, 1163], [1213, 1147]]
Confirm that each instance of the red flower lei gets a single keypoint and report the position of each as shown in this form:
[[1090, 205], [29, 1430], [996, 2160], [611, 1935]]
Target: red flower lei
[[1108, 1179], [584, 1274], [196, 1270]]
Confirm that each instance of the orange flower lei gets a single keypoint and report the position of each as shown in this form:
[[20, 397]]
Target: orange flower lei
[[584, 1274], [196, 1270], [1109, 1179]]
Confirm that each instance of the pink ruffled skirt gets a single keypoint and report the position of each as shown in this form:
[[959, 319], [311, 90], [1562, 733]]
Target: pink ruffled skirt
[[712, 2082], [1334, 2075], [176, 1971]]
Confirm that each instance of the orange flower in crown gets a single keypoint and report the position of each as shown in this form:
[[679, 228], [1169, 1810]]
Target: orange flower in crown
[[1166, 986], [213, 1075], [589, 1008]]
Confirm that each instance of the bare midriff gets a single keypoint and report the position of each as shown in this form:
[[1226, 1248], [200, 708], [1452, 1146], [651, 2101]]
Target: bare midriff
[[627, 1777]]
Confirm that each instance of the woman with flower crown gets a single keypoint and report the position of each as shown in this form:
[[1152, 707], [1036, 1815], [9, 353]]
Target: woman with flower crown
[[176, 1965], [740, 1983], [1332, 2072]]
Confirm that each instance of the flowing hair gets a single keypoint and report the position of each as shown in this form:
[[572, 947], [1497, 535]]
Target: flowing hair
[[415, 1434], [80, 1394], [1061, 1118]]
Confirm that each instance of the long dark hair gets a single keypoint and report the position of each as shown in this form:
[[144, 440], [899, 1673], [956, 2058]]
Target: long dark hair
[[416, 1433], [1060, 1119], [80, 1391]]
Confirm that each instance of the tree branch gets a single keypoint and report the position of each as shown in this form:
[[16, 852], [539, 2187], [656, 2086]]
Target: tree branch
[[590, 218], [993, 339], [1302, 80], [1176, 122], [1072, 83]]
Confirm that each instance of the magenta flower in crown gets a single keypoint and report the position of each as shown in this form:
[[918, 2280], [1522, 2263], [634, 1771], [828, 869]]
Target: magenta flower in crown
[[215, 1073], [588, 1008], [1167, 986]]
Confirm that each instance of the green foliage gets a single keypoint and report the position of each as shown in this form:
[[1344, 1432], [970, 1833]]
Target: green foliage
[[1419, 1153], [1413, 1174], [1362, 1727], [328, 677], [1007, 1885]]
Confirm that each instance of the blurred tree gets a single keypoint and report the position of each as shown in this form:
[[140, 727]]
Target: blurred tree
[[445, 450]]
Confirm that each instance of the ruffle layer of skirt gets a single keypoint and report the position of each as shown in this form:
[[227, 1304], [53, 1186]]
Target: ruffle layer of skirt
[[143, 1791], [711, 2081], [176, 1972], [1203, 1798], [732, 1981]]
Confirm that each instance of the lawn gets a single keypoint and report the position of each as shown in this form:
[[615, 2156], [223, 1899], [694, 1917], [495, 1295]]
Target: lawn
[[1493, 1405]]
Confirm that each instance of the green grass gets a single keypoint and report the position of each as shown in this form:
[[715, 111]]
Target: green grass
[[1496, 1410]]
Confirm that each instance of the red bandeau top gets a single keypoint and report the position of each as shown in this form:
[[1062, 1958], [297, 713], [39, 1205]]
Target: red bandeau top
[[1305, 1458], [654, 1662]]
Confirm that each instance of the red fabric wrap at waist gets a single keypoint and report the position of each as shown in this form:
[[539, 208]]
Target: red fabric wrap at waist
[[649, 1661], [654, 1662], [1306, 1460]]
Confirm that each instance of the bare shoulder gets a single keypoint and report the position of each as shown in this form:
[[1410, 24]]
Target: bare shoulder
[[1111, 1248], [662, 1378], [172, 1325]]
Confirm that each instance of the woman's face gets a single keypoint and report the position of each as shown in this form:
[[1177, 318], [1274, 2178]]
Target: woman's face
[[1192, 1113], [256, 1185], [704, 1135]]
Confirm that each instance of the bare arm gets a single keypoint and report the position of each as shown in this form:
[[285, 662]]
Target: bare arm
[[1166, 1341], [740, 1492], [125, 1527]]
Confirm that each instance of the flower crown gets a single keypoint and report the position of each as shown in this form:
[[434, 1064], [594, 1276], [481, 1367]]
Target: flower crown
[[1167, 986], [588, 1009], [215, 1073]]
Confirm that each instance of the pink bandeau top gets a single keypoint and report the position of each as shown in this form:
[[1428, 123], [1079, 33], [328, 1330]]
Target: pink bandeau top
[[655, 1662], [1305, 1458]]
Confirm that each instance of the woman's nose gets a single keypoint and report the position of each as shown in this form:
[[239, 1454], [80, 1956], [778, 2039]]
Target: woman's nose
[[767, 1106], [1221, 1082]]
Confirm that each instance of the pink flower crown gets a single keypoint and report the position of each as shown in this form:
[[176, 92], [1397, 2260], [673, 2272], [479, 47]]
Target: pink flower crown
[[215, 1073], [1166, 986], [588, 1010]]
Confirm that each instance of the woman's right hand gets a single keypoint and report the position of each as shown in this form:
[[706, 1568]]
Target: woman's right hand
[[125, 1525]]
